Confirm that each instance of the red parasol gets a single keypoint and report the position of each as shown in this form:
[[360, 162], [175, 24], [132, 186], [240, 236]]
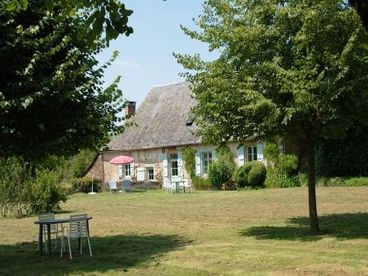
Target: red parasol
[[121, 159]]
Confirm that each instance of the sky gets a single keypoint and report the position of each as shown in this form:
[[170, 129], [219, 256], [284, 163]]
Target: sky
[[146, 58]]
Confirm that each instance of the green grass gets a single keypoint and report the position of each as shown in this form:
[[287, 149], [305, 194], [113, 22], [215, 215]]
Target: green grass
[[260, 232]]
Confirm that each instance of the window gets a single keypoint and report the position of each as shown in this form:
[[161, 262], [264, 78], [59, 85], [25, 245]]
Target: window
[[127, 170], [150, 174], [206, 162], [252, 153], [174, 164]]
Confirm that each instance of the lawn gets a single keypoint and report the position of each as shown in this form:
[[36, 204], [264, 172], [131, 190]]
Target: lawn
[[261, 232]]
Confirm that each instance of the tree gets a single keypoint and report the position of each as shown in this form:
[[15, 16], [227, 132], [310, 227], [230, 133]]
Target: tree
[[287, 68], [51, 94], [102, 16], [361, 7]]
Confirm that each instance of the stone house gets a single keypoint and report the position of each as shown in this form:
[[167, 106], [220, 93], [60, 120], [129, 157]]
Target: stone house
[[157, 133]]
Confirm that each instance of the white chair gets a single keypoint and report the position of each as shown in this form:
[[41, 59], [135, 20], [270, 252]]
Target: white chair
[[112, 185], [188, 185], [175, 186], [55, 229], [167, 185], [78, 228]]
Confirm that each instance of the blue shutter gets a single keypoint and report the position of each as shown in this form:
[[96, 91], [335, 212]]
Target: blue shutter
[[198, 164], [165, 164], [180, 166], [260, 152], [240, 153], [132, 169]]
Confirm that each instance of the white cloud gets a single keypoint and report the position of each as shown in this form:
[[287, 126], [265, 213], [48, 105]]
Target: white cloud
[[127, 64]]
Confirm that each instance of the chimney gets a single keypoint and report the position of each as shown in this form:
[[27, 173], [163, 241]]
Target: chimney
[[129, 109]]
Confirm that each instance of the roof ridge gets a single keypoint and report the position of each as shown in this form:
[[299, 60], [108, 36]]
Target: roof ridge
[[168, 84]]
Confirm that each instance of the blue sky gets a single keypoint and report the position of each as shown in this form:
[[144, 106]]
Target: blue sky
[[146, 58]]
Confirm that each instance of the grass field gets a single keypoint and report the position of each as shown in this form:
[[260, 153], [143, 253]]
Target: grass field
[[260, 232]]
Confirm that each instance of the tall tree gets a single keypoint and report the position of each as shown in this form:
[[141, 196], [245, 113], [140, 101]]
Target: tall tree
[[51, 91], [361, 7], [109, 17], [286, 67]]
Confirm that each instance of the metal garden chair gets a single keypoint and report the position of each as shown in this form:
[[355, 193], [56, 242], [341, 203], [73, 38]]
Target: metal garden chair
[[55, 229], [78, 228]]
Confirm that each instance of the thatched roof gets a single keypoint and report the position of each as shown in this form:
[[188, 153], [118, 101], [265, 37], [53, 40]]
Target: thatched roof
[[162, 120]]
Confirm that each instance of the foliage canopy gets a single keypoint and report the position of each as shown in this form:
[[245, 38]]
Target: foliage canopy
[[287, 68], [109, 17], [51, 94]]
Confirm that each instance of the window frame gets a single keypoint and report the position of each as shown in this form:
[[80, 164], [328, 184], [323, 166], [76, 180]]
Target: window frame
[[252, 154], [128, 170], [149, 169], [206, 161], [174, 164]]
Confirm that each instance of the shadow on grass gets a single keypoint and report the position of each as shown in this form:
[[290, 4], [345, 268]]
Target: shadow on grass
[[118, 253], [340, 226]]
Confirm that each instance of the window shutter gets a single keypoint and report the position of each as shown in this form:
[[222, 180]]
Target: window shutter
[[198, 164], [260, 152], [165, 165], [240, 152], [132, 170], [180, 166], [141, 174]]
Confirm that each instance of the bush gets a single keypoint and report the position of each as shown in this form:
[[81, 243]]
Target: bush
[[342, 181], [284, 169], [251, 174], [257, 174], [219, 173], [201, 183], [14, 177], [45, 192], [84, 185], [287, 164], [357, 181], [241, 177], [229, 185], [78, 164], [277, 179], [189, 160]]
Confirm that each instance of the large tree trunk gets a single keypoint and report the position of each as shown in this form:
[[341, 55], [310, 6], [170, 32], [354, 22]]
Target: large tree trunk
[[313, 217]]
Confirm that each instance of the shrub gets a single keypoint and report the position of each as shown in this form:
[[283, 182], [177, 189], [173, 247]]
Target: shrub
[[79, 163], [277, 179], [257, 174], [23, 193], [14, 177], [284, 169], [287, 164], [241, 177], [219, 173], [229, 185], [251, 174], [84, 185], [201, 183], [271, 152], [45, 192], [342, 181], [357, 181]]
